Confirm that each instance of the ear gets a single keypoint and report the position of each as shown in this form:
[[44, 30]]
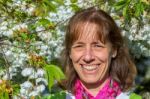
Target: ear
[[114, 53]]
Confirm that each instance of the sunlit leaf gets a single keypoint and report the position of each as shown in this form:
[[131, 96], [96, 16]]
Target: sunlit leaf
[[61, 2], [50, 6], [73, 1], [139, 9], [24, 36], [119, 5], [53, 73], [125, 11], [75, 7], [58, 95], [43, 22], [135, 96], [46, 23]]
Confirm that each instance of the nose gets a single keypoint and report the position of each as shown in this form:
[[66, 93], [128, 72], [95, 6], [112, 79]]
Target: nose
[[88, 55]]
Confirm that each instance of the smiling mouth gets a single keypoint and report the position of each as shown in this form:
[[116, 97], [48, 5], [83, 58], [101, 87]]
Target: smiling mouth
[[90, 67]]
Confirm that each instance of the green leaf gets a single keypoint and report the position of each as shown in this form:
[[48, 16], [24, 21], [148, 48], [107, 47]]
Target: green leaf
[[24, 36], [43, 22], [6, 95], [119, 5], [75, 7], [46, 23], [139, 9], [16, 88], [50, 6], [53, 73], [73, 1], [125, 11], [58, 95], [126, 14], [135, 96], [61, 2]]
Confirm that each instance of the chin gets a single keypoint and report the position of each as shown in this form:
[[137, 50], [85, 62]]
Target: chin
[[90, 81]]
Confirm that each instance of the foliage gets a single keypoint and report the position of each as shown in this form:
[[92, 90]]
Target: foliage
[[59, 95], [53, 73], [31, 39], [135, 96]]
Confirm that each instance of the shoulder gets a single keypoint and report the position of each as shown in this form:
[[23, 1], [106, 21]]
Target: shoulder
[[123, 95], [126, 95], [69, 95]]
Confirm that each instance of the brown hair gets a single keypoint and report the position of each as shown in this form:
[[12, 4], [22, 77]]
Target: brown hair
[[122, 69]]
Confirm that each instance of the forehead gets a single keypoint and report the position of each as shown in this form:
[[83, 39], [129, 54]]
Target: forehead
[[88, 31]]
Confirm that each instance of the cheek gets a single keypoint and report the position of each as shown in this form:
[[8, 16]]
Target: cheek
[[103, 55], [75, 56]]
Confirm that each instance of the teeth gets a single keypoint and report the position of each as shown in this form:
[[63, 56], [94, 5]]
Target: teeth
[[90, 67]]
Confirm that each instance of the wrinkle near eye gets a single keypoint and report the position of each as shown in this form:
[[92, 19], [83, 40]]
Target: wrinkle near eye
[[78, 44]]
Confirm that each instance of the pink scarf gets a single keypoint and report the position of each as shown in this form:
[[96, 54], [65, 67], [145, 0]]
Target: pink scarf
[[107, 92]]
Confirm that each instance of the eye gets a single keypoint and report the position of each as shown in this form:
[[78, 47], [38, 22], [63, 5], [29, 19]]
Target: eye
[[77, 46], [98, 45]]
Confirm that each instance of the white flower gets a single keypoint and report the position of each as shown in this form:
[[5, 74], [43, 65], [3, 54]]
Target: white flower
[[12, 69], [3, 28], [44, 47], [58, 50], [8, 33], [4, 23], [23, 91], [26, 85], [23, 7], [41, 80], [148, 42], [7, 76], [40, 72], [45, 35], [147, 27], [33, 93], [123, 96], [118, 22], [19, 26], [23, 55], [9, 53], [40, 88], [2, 72], [131, 37], [27, 71], [52, 43], [31, 9], [40, 28], [33, 75]]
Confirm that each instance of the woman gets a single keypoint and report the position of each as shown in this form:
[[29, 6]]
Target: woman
[[98, 65]]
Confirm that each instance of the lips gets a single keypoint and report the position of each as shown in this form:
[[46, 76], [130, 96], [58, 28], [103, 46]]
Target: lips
[[90, 67]]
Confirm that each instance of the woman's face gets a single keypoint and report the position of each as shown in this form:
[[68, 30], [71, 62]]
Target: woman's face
[[90, 57]]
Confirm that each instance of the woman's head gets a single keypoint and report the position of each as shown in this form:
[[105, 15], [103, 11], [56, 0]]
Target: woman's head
[[94, 50]]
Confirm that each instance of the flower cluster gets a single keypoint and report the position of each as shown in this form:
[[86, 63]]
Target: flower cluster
[[29, 88], [28, 45]]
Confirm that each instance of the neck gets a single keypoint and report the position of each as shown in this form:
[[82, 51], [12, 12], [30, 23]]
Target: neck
[[95, 87]]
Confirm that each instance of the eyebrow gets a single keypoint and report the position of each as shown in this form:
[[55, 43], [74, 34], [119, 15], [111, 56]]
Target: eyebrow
[[78, 43], [95, 42]]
